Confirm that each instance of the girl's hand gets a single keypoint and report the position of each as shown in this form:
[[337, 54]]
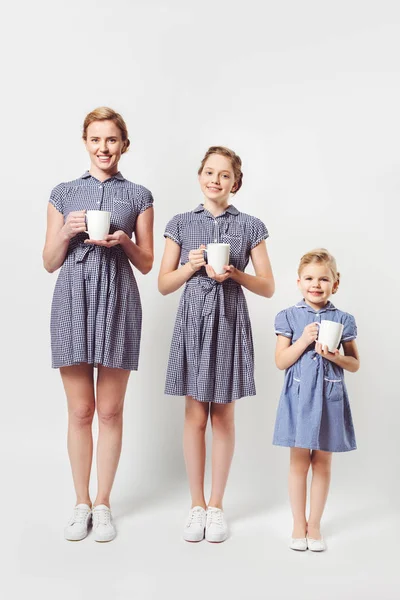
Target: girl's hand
[[229, 272], [323, 351], [75, 223], [310, 334], [113, 239], [196, 258]]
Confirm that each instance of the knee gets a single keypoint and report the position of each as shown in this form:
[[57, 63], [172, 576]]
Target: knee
[[300, 467], [82, 416], [321, 467], [222, 423], [109, 415], [196, 421]]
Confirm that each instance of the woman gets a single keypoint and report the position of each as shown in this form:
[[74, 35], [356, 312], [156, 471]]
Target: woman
[[96, 310]]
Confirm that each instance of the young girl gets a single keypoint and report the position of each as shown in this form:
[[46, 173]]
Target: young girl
[[211, 359], [313, 417]]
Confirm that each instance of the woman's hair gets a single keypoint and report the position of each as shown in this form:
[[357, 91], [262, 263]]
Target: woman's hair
[[320, 255], [103, 113], [236, 163]]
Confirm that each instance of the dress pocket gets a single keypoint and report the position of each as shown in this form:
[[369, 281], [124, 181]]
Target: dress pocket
[[122, 215], [333, 389], [234, 238]]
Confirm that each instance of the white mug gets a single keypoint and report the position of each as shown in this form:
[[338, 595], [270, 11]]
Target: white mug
[[218, 256], [330, 334], [98, 223]]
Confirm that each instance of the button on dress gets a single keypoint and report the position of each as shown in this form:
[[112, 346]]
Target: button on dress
[[96, 312], [212, 356], [314, 410]]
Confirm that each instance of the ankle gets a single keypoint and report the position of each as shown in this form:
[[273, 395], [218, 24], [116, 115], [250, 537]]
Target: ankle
[[201, 503], [215, 504], [101, 501], [83, 500]]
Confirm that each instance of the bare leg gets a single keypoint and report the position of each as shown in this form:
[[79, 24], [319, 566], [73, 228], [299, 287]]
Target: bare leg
[[194, 447], [300, 459], [321, 468], [223, 427], [79, 389], [111, 388]]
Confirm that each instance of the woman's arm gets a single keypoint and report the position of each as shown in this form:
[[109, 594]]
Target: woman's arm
[[350, 360], [140, 252], [262, 283], [59, 234], [171, 277], [286, 353]]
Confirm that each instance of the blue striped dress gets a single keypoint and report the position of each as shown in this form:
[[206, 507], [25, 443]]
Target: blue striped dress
[[211, 356], [314, 410], [96, 313]]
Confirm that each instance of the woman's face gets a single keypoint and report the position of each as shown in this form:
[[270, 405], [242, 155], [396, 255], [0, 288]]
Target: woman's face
[[217, 179], [104, 145]]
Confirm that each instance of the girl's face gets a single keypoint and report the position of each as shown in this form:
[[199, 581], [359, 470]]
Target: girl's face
[[316, 283], [217, 179], [104, 145]]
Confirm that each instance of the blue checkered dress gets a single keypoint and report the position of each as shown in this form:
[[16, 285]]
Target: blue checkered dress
[[314, 410], [96, 313], [211, 357]]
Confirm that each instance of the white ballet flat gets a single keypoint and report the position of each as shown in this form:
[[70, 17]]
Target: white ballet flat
[[299, 544], [316, 545]]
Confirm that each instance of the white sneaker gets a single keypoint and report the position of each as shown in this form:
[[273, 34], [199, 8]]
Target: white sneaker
[[299, 544], [216, 527], [103, 528], [195, 525], [316, 545], [77, 528]]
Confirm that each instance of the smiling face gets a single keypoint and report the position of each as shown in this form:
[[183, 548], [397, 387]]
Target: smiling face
[[105, 146], [217, 179], [317, 284]]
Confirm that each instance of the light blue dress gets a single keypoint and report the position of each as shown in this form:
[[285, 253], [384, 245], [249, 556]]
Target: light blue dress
[[314, 410]]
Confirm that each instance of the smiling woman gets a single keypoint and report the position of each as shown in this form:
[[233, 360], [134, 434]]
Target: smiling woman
[[96, 310]]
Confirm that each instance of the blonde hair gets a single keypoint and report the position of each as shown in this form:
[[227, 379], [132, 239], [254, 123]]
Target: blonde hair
[[321, 255], [236, 163], [103, 113]]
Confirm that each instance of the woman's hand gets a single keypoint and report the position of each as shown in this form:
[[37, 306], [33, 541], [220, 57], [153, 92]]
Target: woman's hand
[[230, 271], [75, 223], [196, 258], [111, 240], [310, 334]]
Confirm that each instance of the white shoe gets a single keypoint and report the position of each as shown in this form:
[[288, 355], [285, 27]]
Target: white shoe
[[316, 545], [103, 528], [195, 525], [216, 527], [299, 544], [77, 528]]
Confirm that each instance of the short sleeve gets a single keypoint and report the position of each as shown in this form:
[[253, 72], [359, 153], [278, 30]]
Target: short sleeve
[[258, 233], [349, 329], [282, 325], [57, 197], [145, 200], [172, 230]]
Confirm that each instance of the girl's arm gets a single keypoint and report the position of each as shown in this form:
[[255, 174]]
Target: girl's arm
[[286, 353], [262, 283], [350, 360], [171, 277], [58, 235]]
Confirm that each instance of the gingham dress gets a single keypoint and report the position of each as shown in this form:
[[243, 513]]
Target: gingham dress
[[211, 357], [96, 312], [314, 410]]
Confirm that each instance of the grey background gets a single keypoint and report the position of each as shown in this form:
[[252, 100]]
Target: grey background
[[308, 94]]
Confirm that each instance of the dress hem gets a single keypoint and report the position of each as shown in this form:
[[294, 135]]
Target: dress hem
[[290, 444]]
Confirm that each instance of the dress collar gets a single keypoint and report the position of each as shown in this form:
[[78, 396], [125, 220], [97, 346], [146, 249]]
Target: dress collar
[[118, 175], [231, 210], [303, 304]]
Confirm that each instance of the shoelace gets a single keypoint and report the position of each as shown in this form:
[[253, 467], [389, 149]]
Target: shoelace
[[102, 517], [214, 517], [195, 516], [80, 515]]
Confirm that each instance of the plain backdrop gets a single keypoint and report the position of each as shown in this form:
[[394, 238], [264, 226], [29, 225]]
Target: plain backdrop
[[308, 94]]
